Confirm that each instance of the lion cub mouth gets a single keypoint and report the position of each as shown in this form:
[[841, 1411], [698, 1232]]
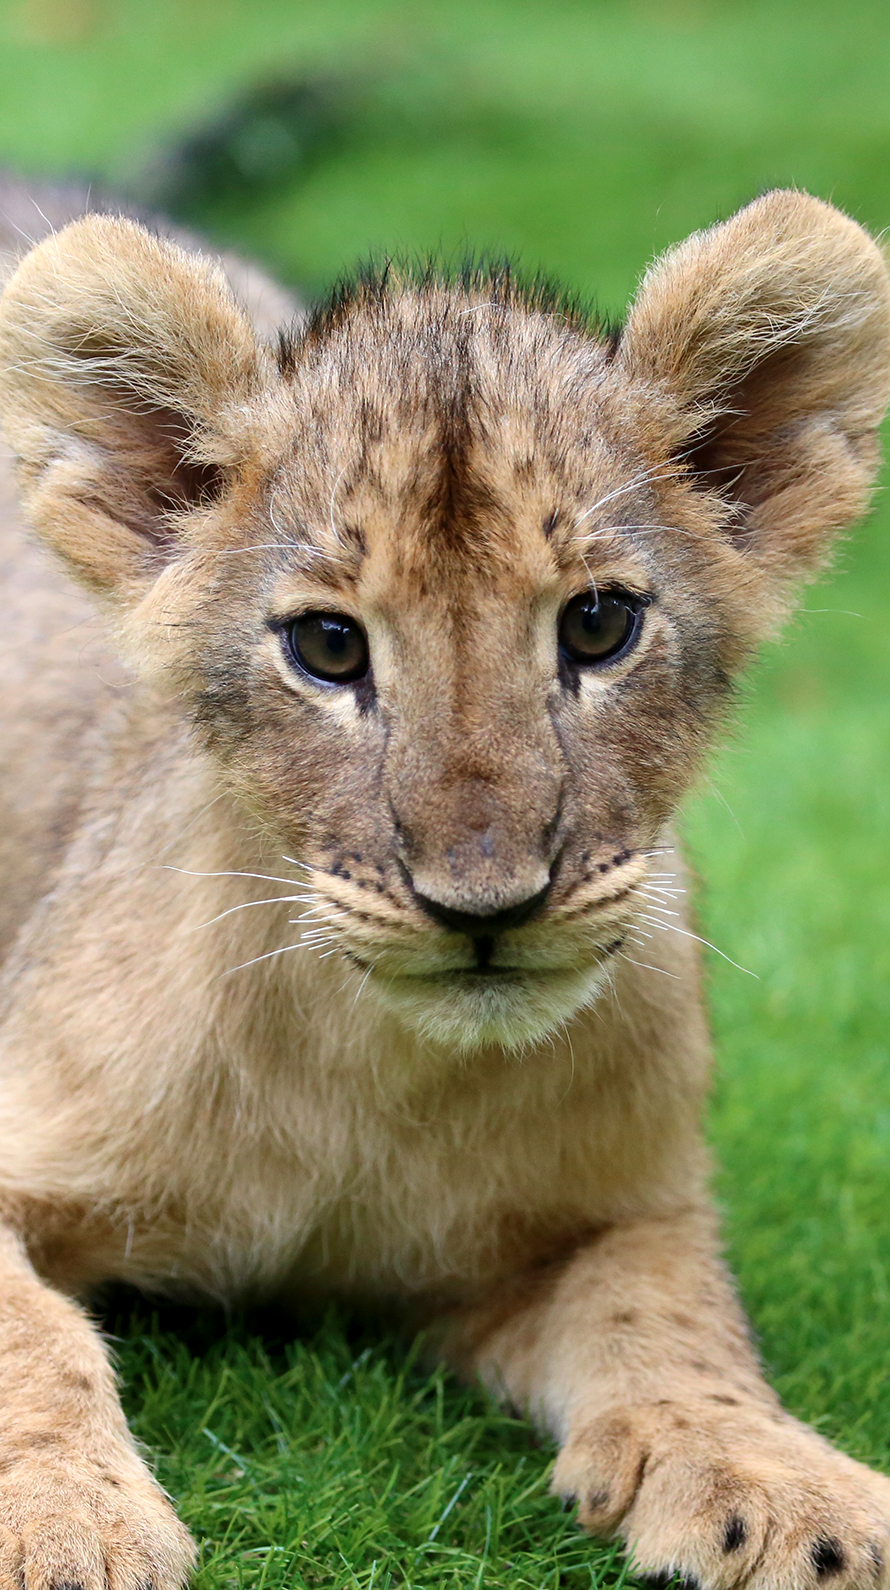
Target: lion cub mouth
[[477, 974], [510, 1008]]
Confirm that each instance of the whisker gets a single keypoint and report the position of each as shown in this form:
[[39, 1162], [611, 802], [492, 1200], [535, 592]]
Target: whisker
[[292, 860], [268, 956], [336, 488], [670, 927], [361, 986], [278, 899], [316, 915], [191, 823], [719, 795], [264, 877], [610, 530], [646, 967], [621, 491], [273, 546]]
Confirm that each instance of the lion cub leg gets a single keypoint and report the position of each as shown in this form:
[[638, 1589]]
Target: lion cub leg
[[78, 1508], [636, 1355]]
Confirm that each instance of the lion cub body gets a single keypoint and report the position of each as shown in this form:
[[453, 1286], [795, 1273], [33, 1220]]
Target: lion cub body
[[382, 984]]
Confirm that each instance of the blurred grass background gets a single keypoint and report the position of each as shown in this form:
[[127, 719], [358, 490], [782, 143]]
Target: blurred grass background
[[582, 136]]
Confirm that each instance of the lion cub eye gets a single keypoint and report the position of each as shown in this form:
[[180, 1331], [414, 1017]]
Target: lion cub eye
[[599, 626], [329, 646]]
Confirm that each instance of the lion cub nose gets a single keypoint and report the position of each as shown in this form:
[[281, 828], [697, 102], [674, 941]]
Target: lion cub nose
[[483, 924]]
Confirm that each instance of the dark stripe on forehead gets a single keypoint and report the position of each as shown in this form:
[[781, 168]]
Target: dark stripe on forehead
[[462, 505]]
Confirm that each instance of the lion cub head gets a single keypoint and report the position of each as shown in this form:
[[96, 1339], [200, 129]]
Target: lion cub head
[[454, 588]]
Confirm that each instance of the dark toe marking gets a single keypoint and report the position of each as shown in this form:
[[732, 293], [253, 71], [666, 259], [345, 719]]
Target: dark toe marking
[[735, 1534], [597, 1500], [877, 1557], [827, 1557], [66, 1584]]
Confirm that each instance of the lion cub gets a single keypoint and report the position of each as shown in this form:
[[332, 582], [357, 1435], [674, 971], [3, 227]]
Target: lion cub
[[334, 917]]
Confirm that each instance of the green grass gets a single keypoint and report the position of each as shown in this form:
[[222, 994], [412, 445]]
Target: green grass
[[581, 135], [335, 1460]]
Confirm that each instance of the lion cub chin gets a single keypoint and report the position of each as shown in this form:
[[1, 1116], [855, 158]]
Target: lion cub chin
[[344, 932]]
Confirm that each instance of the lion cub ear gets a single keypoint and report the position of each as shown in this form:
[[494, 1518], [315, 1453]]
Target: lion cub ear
[[769, 337], [123, 361]]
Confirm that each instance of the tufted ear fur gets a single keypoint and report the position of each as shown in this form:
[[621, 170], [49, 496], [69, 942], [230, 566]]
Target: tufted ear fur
[[767, 339], [123, 362]]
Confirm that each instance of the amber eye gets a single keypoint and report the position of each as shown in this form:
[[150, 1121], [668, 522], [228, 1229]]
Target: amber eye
[[599, 626], [329, 646]]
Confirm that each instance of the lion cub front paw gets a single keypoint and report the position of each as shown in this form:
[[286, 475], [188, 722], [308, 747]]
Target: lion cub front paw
[[729, 1497], [71, 1524]]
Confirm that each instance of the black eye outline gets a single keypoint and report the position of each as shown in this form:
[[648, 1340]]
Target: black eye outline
[[634, 603], [323, 619]]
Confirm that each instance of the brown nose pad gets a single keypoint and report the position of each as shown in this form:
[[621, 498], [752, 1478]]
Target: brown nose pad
[[479, 924]]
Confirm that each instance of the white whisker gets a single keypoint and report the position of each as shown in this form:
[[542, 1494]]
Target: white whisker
[[193, 820], [268, 956], [609, 531], [293, 862], [336, 488], [274, 546], [670, 927], [264, 877], [361, 987], [621, 491], [646, 967], [278, 899]]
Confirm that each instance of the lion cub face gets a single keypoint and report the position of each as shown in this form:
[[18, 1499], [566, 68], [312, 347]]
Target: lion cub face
[[468, 669], [455, 592]]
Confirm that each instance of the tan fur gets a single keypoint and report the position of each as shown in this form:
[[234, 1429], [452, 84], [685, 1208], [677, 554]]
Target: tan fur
[[187, 1103]]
